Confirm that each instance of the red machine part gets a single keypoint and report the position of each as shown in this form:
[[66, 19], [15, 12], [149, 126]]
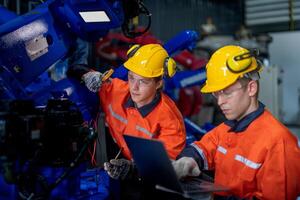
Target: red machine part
[[190, 101]]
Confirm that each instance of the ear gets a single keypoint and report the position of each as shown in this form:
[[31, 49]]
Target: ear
[[252, 88], [159, 84]]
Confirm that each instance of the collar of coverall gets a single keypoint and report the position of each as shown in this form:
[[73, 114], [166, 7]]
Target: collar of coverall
[[240, 126], [146, 109]]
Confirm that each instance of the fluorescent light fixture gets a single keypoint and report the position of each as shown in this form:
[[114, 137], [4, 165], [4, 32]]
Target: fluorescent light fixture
[[94, 16]]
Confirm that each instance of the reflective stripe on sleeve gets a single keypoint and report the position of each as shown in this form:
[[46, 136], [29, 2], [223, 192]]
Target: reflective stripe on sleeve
[[125, 121], [247, 162], [200, 151], [222, 149], [139, 128], [115, 115]]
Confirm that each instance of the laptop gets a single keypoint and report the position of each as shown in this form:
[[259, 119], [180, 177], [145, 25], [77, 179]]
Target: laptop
[[156, 168]]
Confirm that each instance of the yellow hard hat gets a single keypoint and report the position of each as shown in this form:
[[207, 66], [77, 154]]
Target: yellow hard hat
[[150, 60], [226, 65]]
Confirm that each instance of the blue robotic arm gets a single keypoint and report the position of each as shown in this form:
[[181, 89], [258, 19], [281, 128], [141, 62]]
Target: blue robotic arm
[[31, 43]]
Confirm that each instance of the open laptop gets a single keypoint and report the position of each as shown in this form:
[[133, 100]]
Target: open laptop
[[155, 167]]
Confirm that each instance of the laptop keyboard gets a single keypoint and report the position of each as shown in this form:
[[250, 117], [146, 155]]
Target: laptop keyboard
[[193, 190], [191, 185]]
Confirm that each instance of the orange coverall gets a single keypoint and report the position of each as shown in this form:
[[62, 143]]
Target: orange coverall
[[159, 120], [261, 160]]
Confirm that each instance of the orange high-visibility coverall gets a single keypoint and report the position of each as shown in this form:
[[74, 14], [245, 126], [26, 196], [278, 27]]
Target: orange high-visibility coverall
[[161, 120], [262, 161]]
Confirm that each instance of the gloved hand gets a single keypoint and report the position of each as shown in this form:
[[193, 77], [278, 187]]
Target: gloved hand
[[118, 168], [92, 80], [186, 166]]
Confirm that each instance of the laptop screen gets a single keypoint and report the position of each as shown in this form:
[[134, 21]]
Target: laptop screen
[[153, 162]]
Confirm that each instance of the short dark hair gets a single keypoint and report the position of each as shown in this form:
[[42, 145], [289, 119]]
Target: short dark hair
[[244, 81], [158, 78]]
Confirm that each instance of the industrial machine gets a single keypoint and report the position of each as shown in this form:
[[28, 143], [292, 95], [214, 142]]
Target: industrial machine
[[46, 129]]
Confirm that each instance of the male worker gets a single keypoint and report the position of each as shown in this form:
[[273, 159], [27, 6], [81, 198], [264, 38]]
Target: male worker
[[138, 107], [252, 153]]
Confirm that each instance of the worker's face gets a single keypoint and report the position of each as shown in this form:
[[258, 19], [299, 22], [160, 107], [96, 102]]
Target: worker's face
[[142, 90], [236, 100]]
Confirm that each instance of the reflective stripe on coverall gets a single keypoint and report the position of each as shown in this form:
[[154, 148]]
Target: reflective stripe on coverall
[[262, 161], [164, 122]]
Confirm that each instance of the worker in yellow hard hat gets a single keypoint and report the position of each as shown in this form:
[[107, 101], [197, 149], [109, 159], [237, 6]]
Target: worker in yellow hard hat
[[139, 107], [251, 153]]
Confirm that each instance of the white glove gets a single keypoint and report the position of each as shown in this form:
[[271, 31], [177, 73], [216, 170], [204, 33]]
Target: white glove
[[92, 80], [186, 166]]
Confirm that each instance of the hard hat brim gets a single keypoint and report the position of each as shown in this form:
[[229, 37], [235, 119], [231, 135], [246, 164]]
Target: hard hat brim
[[215, 88]]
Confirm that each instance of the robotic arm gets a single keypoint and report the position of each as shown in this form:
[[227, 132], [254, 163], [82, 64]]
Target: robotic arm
[[31, 43]]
